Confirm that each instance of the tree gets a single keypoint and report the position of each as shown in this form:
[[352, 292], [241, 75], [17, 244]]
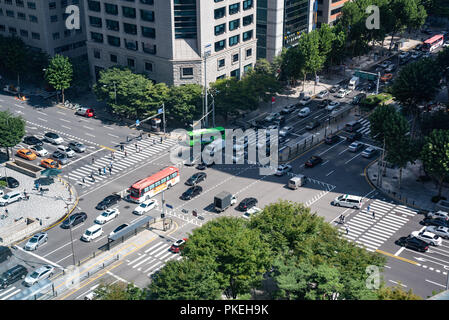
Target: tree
[[183, 104], [435, 156], [13, 55], [309, 49], [378, 120], [59, 73], [396, 293], [119, 291], [290, 62], [12, 130], [261, 83], [338, 52], [185, 280], [443, 65], [236, 253]]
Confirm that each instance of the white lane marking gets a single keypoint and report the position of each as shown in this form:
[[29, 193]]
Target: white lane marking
[[117, 277], [41, 113], [42, 119], [88, 128], [66, 127], [343, 151], [19, 106], [113, 135], [353, 158], [10, 295], [87, 292], [64, 120], [88, 134], [435, 283], [330, 173], [41, 258], [398, 283], [325, 162], [60, 112], [64, 258]]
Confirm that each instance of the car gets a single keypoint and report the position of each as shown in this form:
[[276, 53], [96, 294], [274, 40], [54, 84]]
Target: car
[[247, 203], [271, 116], [39, 274], [145, 206], [412, 243], [26, 154], [304, 112], [438, 222], [279, 120], [313, 161], [386, 77], [336, 111], [358, 98], [85, 111], [446, 44], [322, 94], [60, 157], [67, 151], [10, 197], [341, 93], [334, 89], [33, 141], [191, 193], [332, 138], [53, 138], [77, 146], [39, 151], [324, 103], [251, 212], [11, 183], [354, 136], [35, 241], [443, 232], [369, 152], [107, 216], [120, 227], [356, 146], [285, 131], [332, 105], [12, 275], [50, 163], [288, 109], [108, 201], [178, 245], [283, 169], [74, 219], [92, 233], [428, 237], [438, 214], [196, 178], [313, 124], [203, 165], [384, 64], [272, 127], [305, 100], [403, 54]]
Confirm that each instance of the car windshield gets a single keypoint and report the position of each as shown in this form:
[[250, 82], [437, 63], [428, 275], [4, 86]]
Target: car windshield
[[143, 205], [88, 233], [34, 275], [5, 197], [33, 240], [105, 214]]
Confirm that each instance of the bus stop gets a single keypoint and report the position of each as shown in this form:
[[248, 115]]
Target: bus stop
[[129, 231]]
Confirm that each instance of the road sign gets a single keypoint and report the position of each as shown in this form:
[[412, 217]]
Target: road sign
[[137, 122], [169, 206], [159, 111]]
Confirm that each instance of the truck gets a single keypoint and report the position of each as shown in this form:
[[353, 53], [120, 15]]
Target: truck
[[353, 83], [224, 200], [297, 181]]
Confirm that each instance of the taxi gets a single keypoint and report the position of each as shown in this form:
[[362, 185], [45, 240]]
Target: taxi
[[50, 163], [26, 154]]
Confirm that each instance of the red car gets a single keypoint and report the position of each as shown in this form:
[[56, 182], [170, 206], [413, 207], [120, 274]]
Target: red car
[[178, 245]]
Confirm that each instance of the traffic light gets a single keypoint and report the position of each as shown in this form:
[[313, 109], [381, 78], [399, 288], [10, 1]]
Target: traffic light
[[162, 215]]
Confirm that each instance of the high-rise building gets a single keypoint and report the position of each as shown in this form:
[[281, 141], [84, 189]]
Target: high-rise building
[[169, 40], [280, 23], [42, 24], [328, 11]]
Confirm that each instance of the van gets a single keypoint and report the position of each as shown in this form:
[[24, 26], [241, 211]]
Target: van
[[296, 182], [348, 201], [85, 112], [92, 233], [352, 126], [5, 253], [304, 112], [12, 275], [10, 198]]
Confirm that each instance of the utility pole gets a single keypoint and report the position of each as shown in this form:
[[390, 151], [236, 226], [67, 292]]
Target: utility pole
[[163, 115], [206, 54], [378, 79], [213, 111]]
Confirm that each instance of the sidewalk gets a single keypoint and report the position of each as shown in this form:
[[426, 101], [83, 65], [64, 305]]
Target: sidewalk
[[413, 192]]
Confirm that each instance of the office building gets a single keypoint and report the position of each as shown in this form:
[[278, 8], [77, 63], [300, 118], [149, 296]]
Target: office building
[[328, 11]]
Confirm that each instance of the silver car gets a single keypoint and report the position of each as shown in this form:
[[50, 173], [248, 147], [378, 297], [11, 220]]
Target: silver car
[[43, 272], [77, 146], [36, 240]]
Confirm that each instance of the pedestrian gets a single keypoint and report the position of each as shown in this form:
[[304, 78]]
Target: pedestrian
[[374, 215], [122, 148], [84, 180], [367, 208], [112, 155], [93, 160], [347, 230], [99, 171], [126, 154], [154, 141], [110, 170], [104, 170], [136, 146], [6, 212], [110, 164], [161, 139]]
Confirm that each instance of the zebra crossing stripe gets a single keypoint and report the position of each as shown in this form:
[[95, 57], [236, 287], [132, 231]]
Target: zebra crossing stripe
[[374, 242], [356, 228], [142, 256], [166, 255], [398, 219], [152, 266], [378, 230], [142, 261], [12, 294], [154, 246], [390, 223], [368, 235], [367, 245], [162, 251]]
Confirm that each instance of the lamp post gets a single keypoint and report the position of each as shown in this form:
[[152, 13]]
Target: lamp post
[[115, 91]]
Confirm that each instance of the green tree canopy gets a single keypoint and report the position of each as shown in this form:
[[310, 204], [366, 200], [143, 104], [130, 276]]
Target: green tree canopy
[[309, 48], [119, 291], [184, 103], [396, 293], [12, 130], [59, 73]]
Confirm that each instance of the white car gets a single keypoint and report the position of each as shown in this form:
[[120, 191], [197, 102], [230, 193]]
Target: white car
[[271, 116], [107, 216], [53, 138], [438, 214], [283, 169], [43, 272], [304, 112], [322, 94], [285, 131], [40, 151], [332, 105], [92, 233], [446, 44], [305, 100], [67, 150], [145, 206], [251, 212], [428, 237], [441, 231]]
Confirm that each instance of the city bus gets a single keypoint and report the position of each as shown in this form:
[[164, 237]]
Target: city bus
[[205, 135], [433, 43], [149, 187]]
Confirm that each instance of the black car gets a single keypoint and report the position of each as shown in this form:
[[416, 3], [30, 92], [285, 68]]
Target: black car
[[5, 253], [313, 161], [332, 138], [74, 219], [324, 103], [279, 120], [196, 178], [108, 201], [203, 165], [435, 222], [354, 137], [413, 243], [192, 192], [10, 181], [12, 275], [247, 203], [33, 141]]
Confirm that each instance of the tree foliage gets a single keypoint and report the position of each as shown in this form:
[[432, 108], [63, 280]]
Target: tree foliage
[[119, 291], [183, 104], [59, 73], [12, 130], [396, 293]]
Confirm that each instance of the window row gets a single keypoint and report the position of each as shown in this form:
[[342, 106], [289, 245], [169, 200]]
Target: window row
[[233, 25], [110, 8], [32, 5], [20, 15], [221, 63], [233, 9], [23, 33], [234, 40], [128, 43]]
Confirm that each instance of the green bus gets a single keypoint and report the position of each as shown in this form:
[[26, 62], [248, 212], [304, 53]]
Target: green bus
[[206, 132]]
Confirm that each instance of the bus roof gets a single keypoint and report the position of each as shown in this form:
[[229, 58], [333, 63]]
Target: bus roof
[[434, 38], [153, 178], [206, 130]]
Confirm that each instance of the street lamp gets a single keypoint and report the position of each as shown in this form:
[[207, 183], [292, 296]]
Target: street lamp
[[115, 91]]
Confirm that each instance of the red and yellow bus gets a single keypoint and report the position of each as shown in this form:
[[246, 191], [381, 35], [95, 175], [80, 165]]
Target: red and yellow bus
[[433, 43], [149, 187]]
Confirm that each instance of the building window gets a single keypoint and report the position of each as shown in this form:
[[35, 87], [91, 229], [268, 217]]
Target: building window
[[63, 3], [35, 36], [52, 5], [21, 4], [187, 72], [234, 40], [111, 8], [148, 32], [95, 22], [149, 48], [131, 63], [24, 33], [112, 25], [21, 16], [247, 4], [218, 0], [249, 52], [221, 77], [75, 1], [8, 2], [129, 12], [130, 28], [12, 30], [97, 54], [148, 66], [247, 20], [10, 13], [31, 5], [147, 15], [54, 18], [247, 67], [67, 33], [1, 11], [220, 45], [234, 24], [150, 2], [32, 18], [235, 58], [234, 8], [220, 13], [131, 45], [236, 74], [221, 63], [185, 19], [113, 58], [96, 37], [94, 5], [220, 29], [2, 27], [114, 41], [56, 36], [247, 35]]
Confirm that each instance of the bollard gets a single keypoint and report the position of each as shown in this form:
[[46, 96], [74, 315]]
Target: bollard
[[79, 263], [103, 265], [94, 254]]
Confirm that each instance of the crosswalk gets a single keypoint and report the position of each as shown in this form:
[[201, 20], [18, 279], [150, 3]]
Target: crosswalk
[[373, 232], [7, 293], [119, 162], [153, 258], [365, 129]]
